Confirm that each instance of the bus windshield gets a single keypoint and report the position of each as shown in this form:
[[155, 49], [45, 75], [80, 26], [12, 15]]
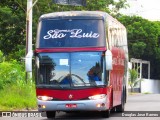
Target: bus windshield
[[70, 70], [70, 33]]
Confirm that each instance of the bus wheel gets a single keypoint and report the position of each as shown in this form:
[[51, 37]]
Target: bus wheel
[[120, 108], [106, 114], [113, 110], [51, 114]]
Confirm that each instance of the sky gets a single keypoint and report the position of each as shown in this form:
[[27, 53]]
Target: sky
[[149, 9]]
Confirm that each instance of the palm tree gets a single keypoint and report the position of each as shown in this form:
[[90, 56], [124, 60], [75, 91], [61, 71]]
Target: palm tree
[[133, 78]]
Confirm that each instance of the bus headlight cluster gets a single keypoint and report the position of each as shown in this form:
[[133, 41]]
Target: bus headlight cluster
[[45, 98], [96, 97]]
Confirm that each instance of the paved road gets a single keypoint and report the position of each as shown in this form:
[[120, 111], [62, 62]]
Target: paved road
[[136, 102], [143, 102]]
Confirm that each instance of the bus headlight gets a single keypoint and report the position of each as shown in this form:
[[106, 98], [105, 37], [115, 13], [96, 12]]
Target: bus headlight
[[45, 98], [96, 97]]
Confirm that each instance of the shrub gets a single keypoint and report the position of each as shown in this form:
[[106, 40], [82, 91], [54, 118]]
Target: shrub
[[19, 96], [1, 56], [10, 72], [15, 92]]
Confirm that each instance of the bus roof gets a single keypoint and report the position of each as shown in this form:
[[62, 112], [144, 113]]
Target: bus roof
[[80, 15], [75, 14]]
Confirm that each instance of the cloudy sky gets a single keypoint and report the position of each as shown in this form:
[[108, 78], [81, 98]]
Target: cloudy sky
[[149, 9]]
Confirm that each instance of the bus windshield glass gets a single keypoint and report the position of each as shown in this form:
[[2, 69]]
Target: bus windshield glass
[[70, 33], [70, 70]]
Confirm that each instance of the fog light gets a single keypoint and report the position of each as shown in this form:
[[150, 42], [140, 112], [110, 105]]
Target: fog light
[[100, 105], [103, 105], [42, 106]]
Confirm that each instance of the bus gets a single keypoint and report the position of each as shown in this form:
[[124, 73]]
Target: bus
[[80, 63]]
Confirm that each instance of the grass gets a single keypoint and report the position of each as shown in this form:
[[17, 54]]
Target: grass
[[132, 93], [15, 93], [146, 93], [19, 96]]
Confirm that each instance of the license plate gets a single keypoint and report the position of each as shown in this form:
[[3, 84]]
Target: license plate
[[71, 105]]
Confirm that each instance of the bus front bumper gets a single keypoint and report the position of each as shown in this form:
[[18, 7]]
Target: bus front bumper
[[81, 105]]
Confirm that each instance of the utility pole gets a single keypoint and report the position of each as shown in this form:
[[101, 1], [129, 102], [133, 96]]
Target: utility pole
[[29, 26], [29, 38], [29, 51]]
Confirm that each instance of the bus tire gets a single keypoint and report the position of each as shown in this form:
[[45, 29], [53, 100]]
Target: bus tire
[[106, 114], [50, 114], [113, 110], [120, 108]]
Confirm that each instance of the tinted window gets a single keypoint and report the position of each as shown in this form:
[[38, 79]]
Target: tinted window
[[77, 69], [70, 33]]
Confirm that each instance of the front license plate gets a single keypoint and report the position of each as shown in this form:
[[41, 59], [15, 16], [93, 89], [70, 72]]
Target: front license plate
[[71, 105]]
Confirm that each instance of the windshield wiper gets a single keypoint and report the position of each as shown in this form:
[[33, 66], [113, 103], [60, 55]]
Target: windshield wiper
[[59, 85], [94, 84], [55, 82]]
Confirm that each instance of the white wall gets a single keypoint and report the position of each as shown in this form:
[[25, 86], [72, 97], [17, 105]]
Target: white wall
[[150, 86]]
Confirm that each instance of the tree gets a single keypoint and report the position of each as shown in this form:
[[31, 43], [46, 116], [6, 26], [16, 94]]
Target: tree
[[138, 49], [143, 41], [12, 26]]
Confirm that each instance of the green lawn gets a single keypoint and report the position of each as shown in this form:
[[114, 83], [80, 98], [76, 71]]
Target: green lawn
[[18, 97]]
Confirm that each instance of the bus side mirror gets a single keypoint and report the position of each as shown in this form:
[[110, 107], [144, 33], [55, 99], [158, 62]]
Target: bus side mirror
[[28, 61], [108, 60]]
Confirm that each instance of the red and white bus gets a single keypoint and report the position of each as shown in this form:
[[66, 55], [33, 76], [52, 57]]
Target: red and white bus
[[81, 63]]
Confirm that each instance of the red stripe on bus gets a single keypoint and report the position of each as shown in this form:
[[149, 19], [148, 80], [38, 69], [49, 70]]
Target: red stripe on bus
[[39, 50]]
